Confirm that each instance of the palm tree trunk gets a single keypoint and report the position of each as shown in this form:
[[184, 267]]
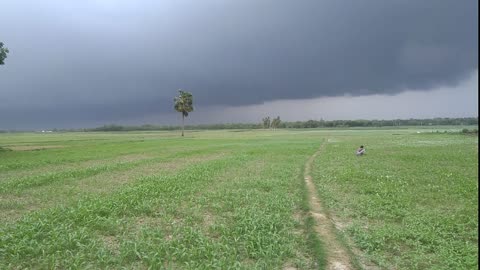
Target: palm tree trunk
[[183, 123]]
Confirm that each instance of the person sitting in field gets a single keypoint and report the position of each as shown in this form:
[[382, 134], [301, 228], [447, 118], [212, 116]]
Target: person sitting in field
[[360, 151]]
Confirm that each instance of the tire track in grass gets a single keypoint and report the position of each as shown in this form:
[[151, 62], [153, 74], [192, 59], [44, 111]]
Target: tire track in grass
[[12, 207], [57, 168], [66, 236], [337, 256], [18, 185]]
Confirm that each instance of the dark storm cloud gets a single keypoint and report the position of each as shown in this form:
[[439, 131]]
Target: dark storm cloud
[[108, 60]]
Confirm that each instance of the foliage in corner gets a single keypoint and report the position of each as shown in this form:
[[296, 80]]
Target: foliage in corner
[[3, 53]]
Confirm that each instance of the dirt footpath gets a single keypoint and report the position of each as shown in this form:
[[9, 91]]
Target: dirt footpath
[[337, 255]]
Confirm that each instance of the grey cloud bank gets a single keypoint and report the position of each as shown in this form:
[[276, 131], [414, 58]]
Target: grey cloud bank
[[88, 62], [458, 101]]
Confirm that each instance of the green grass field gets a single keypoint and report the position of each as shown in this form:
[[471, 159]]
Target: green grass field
[[236, 199]]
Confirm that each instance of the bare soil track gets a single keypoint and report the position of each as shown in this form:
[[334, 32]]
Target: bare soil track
[[337, 256]]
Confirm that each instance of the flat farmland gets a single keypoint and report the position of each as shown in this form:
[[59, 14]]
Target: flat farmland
[[238, 199]]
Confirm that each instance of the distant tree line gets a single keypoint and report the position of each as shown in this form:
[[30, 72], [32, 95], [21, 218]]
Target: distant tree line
[[381, 123], [187, 127], [298, 124], [268, 123]]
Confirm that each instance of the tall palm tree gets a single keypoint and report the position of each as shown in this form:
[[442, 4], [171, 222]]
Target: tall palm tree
[[266, 122], [184, 105]]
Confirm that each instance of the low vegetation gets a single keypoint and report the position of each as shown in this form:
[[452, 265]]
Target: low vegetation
[[229, 199], [216, 200], [410, 203]]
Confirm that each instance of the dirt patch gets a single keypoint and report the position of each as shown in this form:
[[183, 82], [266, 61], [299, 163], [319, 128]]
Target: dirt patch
[[32, 147], [147, 221], [12, 207], [112, 244], [167, 225], [337, 256], [208, 220]]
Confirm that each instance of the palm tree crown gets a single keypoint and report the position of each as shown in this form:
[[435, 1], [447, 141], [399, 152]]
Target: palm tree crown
[[184, 103]]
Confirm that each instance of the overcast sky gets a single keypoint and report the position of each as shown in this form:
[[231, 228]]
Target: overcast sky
[[94, 62]]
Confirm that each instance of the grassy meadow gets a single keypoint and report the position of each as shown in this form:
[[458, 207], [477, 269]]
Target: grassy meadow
[[236, 199]]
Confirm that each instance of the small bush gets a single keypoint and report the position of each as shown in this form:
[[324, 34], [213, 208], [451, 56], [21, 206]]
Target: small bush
[[4, 149], [472, 132]]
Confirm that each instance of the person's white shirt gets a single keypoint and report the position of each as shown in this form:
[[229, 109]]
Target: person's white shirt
[[360, 151]]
